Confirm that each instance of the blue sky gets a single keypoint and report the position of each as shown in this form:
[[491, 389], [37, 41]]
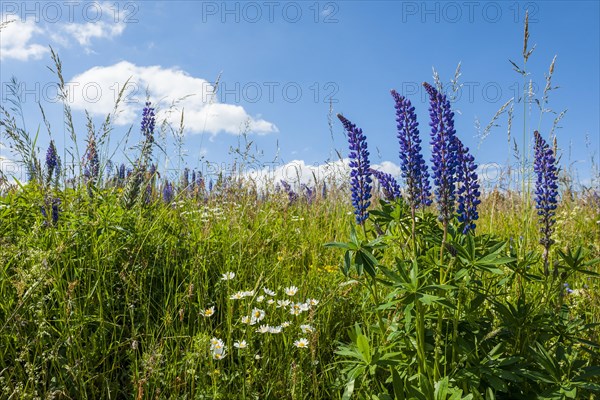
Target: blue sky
[[282, 61]]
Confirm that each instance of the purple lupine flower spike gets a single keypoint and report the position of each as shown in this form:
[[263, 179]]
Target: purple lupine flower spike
[[546, 192], [389, 185], [292, 195], [148, 122], [412, 164], [52, 161], [468, 192], [168, 192], [443, 151], [360, 174]]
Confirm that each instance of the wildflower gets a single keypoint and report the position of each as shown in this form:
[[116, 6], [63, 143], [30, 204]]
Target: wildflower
[[52, 162], [227, 276], [360, 175], [168, 192], [270, 301], [301, 343], [291, 291], [468, 192], [312, 302], [237, 296], [307, 328], [412, 164], [248, 293], [209, 312], [260, 299], [218, 355], [283, 303], [269, 291], [443, 151], [148, 122], [285, 324], [257, 315], [92, 160], [275, 329], [246, 320], [546, 192], [567, 288], [298, 308], [292, 195], [240, 345], [391, 189], [263, 329]]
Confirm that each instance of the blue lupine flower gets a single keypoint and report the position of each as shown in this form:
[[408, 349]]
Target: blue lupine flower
[[52, 161], [148, 122], [121, 172], [185, 179], [193, 180], [360, 174], [324, 191], [309, 193], [92, 160], [55, 210], [389, 185], [546, 188], [292, 195], [414, 169], [443, 151], [468, 191], [168, 192], [567, 288]]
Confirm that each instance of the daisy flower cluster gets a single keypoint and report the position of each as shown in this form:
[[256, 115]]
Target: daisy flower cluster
[[263, 311]]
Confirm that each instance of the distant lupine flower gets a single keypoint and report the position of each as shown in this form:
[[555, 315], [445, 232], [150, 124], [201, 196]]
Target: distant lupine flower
[[92, 160], [567, 288], [546, 188], [412, 163], [55, 210], [287, 188], [360, 174], [391, 189], [309, 193], [443, 151], [121, 172], [193, 180], [148, 122], [468, 192], [210, 185], [185, 179], [324, 191], [52, 161], [168, 192]]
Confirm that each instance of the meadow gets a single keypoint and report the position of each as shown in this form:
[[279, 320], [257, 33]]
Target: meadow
[[119, 281]]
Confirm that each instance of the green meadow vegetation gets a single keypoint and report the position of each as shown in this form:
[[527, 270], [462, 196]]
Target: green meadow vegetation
[[119, 283]]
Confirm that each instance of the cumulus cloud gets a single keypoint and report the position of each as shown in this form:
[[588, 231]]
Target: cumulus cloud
[[172, 89], [298, 172], [16, 40], [21, 37]]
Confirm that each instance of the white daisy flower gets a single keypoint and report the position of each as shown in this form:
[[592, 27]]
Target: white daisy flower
[[312, 302], [270, 301], [268, 291], [263, 329], [208, 312], [260, 299], [240, 345], [227, 276], [246, 319], [283, 303], [285, 324], [237, 296], [290, 291], [307, 328], [257, 314], [301, 343], [275, 329]]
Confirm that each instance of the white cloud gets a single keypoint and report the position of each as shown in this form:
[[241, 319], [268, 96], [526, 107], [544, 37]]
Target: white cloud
[[298, 172], [84, 33], [15, 40], [171, 89]]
